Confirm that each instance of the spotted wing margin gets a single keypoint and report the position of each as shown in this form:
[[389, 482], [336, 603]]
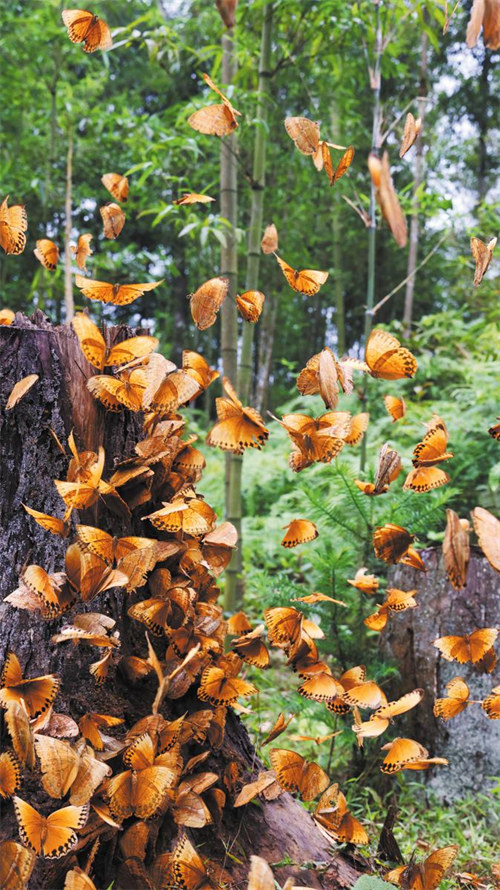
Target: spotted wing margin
[[13, 225]]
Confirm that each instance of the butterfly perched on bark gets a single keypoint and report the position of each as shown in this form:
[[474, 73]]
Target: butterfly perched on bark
[[387, 198], [47, 253], [13, 225], [456, 549], [95, 350], [426, 875], [16, 865], [87, 28], [50, 836], [332, 814], [20, 389], [38, 693], [142, 788], [305, 281], [188, 869], [117, 185], [467, 648], [238, 427], [215, 120]]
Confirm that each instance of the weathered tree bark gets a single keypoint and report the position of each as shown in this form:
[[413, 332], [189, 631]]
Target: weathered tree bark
[[29, 461], [470, 741]]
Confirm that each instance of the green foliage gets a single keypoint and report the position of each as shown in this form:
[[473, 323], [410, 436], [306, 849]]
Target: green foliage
[[368, 882]]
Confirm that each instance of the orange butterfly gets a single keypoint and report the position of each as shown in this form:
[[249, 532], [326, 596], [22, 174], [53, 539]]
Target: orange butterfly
[[331, 813], [482, 254], [295, 773], [125, 390], [186, 513], [407, 702], [215, 120], [142, 789], [39, 591], [324, 373], [343, 165], [237, 427], [358, 692], [82, 250], [193, 198], [307, 281], [387, 198], [95, 350], [89, 575], [251, 304], [299, 531], [429, 452], [456, 549], [20, 389], [386, 358], [306, 136], [408, 754], [10, 774], [7, 316], [357, 428], [491, 704], [21, 732], [207, 300], [90, 726], [38, 693], [76, 879], [118, 294], [395, 601], [116, 185], [469, 647], [411, 133], [365, 583], [87, 28], [279, 727], [391, 542], [16, 865], [219, 689], [319, 684], [487, 529], [166, 386], [426, 875], [198, 368], [388, 469], [113, 219], [13, 225], [484, 15], [47, 253], [288, 628], [188, 869], [85, 491], [269, 243], [50, 836], [456, 700], [251, 648], [395, 406], [315, 439], [494, 431]]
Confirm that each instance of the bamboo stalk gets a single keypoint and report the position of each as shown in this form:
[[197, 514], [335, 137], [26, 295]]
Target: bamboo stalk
[[69, 304]]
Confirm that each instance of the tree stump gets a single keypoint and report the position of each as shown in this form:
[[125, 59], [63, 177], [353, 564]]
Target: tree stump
[[470, 741], [30, 459]]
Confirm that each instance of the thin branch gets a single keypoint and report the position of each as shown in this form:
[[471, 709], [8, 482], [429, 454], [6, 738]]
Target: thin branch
[[411, 275]]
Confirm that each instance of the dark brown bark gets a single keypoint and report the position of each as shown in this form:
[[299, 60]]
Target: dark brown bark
[[29, 461], [470, 741]]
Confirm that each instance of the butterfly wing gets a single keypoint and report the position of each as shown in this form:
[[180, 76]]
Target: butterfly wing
[[127, 293], [214, 120], [95, 290], [436, 865], [343, 165], [207, 300], [487, 528], [91, 341], [299, 531], [410, 134], [113, 219], [422, 479], [47, 253], [305, 134], [13, 225], [116, 185], [82, 250]]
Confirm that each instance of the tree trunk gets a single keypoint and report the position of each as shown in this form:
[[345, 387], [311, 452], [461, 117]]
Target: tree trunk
[[419, 176], [235, 582], [266, 343], [470, 741], [30, 459], [69, 304]]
